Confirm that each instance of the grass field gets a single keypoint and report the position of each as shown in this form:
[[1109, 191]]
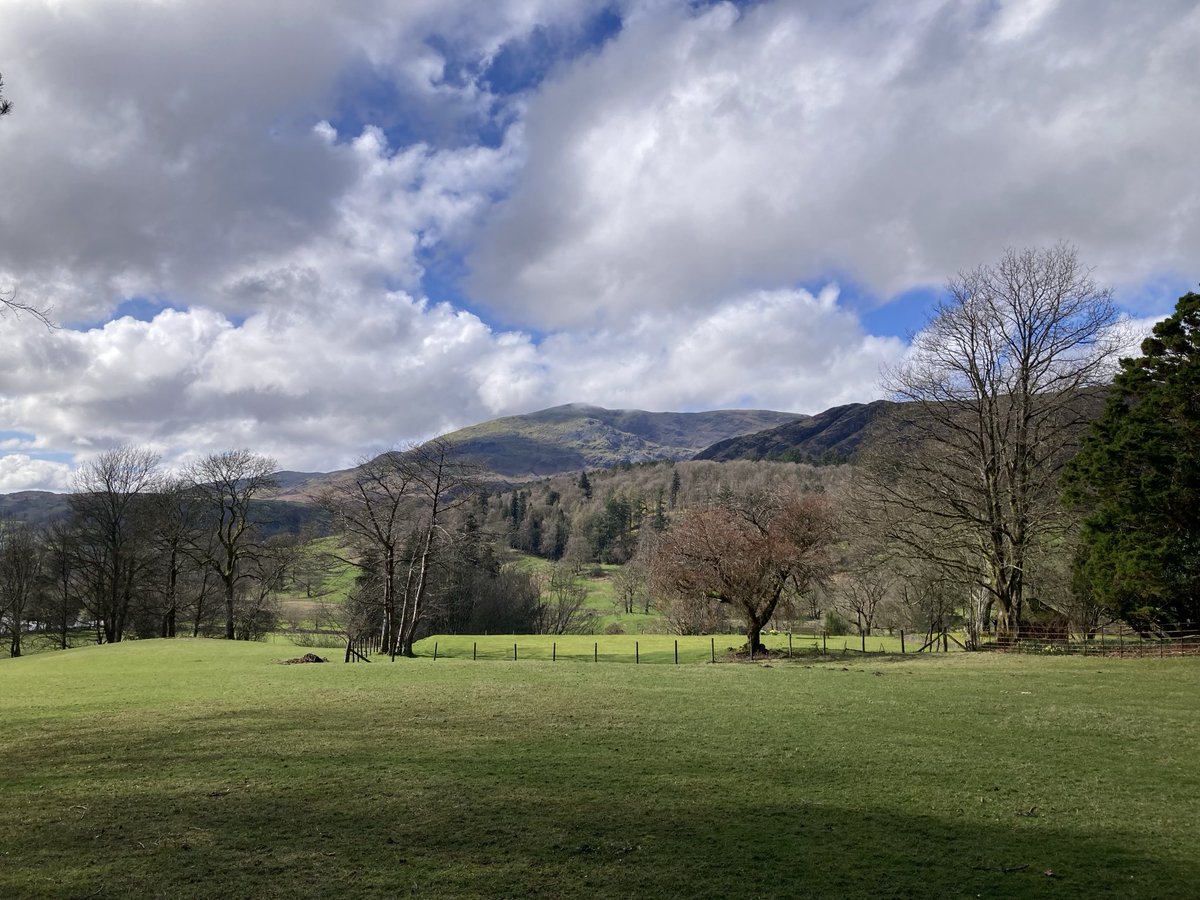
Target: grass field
[[203, 768]]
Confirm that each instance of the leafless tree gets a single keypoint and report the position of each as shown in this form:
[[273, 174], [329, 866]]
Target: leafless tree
[[441, 481], [562, 608], [21, 558], [373, 509], [996, 392], [256, 611], [746, 552], [227, 484], [59, 600], [113, 534], [177, 513], [863, 591]]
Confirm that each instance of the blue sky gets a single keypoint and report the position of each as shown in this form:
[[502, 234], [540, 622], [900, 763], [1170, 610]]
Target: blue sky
[[319, 231]]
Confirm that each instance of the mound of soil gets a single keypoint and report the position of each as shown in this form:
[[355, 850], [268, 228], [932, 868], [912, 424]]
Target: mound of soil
[[306, 658]]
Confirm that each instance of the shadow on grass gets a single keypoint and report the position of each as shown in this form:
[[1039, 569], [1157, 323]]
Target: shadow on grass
[[241, 804]]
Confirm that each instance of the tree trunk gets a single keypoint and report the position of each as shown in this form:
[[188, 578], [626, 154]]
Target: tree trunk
[[753, 634], [172, 589], [409, 630], [229, 633]]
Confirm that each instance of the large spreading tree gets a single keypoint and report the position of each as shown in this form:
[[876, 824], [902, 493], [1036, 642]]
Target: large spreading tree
[[746, 552], [996, 393], [1139, 474]]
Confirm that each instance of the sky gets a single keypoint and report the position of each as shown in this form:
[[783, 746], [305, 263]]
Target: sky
[[321, 229]]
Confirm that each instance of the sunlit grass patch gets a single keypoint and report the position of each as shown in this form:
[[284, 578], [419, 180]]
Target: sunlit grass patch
[[205, 768]]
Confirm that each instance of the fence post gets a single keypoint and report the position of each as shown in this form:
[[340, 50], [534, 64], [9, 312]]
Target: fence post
[[554, 652], [712, 649], [1121, 642], [637, 655], [824, 642], [901, 641], [435, 651], [474, 650], [677, 653], [596, 652], [514, 652]]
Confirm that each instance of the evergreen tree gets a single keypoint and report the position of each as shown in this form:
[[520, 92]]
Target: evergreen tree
[[1139, 473], [585, 485]]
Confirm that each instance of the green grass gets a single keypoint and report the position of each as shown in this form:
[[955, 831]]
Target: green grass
[[202, 768], [651, 648]]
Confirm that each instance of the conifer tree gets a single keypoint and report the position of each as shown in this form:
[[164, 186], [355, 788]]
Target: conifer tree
[[1139, 473]]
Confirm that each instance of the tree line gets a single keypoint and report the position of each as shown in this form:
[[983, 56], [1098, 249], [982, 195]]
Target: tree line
[[149, 553]]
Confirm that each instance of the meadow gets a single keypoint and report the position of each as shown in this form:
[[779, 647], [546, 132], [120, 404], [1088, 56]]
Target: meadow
[[204, 768]]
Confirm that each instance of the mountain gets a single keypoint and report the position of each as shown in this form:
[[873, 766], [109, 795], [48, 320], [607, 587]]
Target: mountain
[[34, 507], [566, 438], [829, 437], [576, 436]]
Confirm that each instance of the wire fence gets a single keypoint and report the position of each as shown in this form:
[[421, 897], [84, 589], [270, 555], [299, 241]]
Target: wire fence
[[1110, 641], [648, 649]]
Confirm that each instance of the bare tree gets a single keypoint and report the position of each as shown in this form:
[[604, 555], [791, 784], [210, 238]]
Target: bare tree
[[562, 608], [372, 508], [863, 590], [21, 557], [59, 601], [227, 483], [5, 105], [176, 509], [441, 482], [996, 395], [746, 552], [113, 530]]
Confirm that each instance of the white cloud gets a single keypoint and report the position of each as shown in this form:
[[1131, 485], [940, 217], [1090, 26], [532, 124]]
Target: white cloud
[[699, 154], [20, 472], [647, 213]]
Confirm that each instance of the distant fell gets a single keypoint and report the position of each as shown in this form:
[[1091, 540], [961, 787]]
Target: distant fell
[[833, 436], [578, 436]]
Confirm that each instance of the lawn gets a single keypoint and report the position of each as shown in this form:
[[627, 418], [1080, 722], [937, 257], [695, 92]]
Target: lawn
[[203, 768]]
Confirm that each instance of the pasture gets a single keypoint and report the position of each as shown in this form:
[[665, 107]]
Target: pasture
[[203, 768]]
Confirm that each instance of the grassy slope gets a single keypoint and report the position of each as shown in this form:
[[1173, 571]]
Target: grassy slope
[[200, 768]]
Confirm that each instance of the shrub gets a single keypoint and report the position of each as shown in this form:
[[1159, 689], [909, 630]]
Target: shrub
[[835, 624]]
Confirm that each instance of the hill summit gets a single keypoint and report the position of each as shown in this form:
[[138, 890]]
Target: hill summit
[[578, 436]]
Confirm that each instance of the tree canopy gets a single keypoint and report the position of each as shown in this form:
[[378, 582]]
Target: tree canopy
[[746, 551], [1137, 473]]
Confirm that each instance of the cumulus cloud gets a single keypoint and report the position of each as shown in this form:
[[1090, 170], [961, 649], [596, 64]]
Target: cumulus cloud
[[648, 219], [21, 472], [700, 153], [318, 386]]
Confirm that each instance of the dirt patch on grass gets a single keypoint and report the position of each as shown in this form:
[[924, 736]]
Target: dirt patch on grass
[[306, 658]]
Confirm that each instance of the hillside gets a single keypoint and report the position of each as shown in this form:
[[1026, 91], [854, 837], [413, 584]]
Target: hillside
[[576, 436], [551, 441], [829, 437]]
